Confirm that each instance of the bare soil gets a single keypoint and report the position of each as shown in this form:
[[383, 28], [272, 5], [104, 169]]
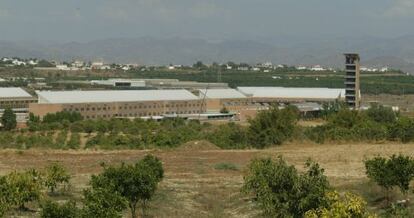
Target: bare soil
[[192, 186]]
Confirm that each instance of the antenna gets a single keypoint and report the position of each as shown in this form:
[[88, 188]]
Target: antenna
[[204, 99]]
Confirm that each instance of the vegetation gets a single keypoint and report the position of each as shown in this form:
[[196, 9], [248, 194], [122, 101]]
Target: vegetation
[[52, 209], [135, 183], [8, 119], [396, 171], [282, 191], [272, 127], [348, 205], [226, 166], [56, 175]]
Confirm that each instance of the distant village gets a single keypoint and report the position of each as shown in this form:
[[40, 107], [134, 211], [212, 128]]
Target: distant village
[[78, 65]]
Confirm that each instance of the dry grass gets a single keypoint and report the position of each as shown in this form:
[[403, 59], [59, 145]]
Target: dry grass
[[193, 187]]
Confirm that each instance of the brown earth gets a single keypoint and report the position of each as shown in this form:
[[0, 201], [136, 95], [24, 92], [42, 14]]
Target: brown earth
[[192, 186]]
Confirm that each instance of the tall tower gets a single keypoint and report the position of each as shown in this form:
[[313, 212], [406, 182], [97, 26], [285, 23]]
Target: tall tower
[[352, 84]]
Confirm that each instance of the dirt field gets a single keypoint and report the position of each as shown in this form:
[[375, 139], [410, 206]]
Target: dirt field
[[193, 187]]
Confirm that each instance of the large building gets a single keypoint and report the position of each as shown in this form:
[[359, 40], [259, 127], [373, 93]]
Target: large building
[[18, 100], [15, 98], [114, 103], [285, 94], [352, 83], [176, 102]]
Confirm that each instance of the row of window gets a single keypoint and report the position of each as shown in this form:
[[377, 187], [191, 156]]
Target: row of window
[[18, 102], [137, 114], [126, 107]]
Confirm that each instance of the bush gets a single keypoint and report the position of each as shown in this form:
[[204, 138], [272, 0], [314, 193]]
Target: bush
[[402, 130], [135, 183], [229, 136], [272, 127], [54, 210], [74, 141], [348, 205], [61, 116], [283, 192], [396, 171], [26, 187], [55, 175], [226, 166]]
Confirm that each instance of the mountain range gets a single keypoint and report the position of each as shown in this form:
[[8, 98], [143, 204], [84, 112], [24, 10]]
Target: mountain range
[[375, 52]]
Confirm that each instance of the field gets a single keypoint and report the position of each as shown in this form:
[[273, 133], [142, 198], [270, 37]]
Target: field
[[203, 181]]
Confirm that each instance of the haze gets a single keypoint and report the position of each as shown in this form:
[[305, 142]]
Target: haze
[[76, 20]]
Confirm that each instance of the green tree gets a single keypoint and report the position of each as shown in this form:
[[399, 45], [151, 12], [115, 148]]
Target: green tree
[[283, 192], [136, 183], [102, 203], [55, 175], [273, 126], [381, 114], [8, 119], [396, 171], [349, 205], [25, 186], [51, 209], [5, 196]]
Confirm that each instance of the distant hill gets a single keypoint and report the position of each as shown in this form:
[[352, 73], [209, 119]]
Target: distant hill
[[395, 53]]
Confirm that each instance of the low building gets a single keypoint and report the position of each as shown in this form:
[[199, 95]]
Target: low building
[[15, 98], [18, 100], [288, 94], [216, 99], [114, 103]]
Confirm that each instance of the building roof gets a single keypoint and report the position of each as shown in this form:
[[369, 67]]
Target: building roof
[[220, 93], [73, 97], [13, 92], [292, 93]]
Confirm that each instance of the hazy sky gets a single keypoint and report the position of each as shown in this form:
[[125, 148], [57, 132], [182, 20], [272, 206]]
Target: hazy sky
[[84, 20]]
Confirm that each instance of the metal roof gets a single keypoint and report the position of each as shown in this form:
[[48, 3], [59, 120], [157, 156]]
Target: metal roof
[[67, 97], [220, 93], [292, 93], [13, 92]]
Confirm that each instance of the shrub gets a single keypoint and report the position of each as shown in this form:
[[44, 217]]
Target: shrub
[[272, 127], [26, 187], [136, 183], [229, 136], [8, 119], [348, 205], [54, 210], [74, 141], [283, 192], [55, 175], [396, 171], [226, 166]]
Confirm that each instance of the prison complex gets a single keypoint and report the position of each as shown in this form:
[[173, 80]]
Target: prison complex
[[179, 102]]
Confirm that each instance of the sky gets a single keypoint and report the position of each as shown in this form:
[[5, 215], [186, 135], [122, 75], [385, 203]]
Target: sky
[[86, 20]]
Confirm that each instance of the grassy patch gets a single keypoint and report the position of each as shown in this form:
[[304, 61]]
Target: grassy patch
[[226, 166]]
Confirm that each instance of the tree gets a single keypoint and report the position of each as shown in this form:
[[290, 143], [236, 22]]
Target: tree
[[272, 127], [388, 173], [281, 191], [102, 203], [136, 183], [5, 196], [51, 209], [348, 205], [8, 119], [381, 114], [25, 187], [56, 174]]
